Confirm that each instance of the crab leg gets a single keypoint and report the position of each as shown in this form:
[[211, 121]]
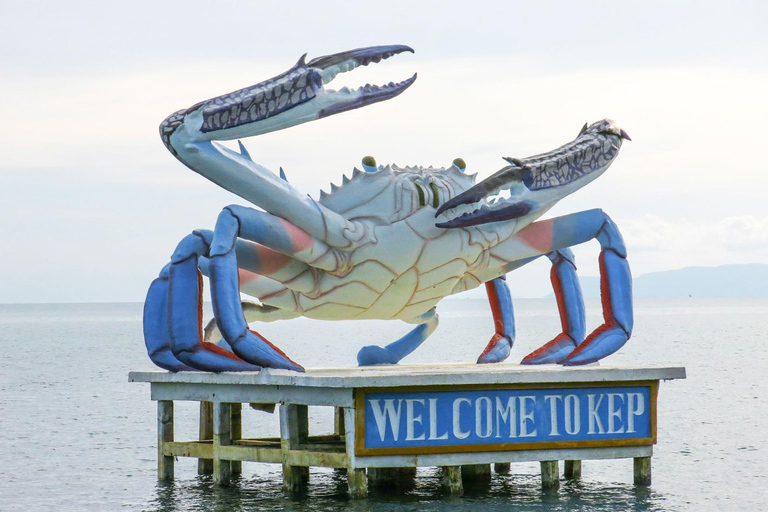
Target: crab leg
[[615, 279], [503, 319], [397, 350], [570, 304]]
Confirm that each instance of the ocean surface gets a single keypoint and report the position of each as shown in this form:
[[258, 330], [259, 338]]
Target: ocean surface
[[76, 436]]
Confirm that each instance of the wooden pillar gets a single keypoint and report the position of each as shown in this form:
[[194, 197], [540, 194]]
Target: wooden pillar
[[391, 478], [572, 469], [642, 471], [164, 435], [222, 436], [338, 421], [294, 431], [237, 434], [205, 466], [550, 474], [357, 483], [451, 480], [476, 474], [502, 468]]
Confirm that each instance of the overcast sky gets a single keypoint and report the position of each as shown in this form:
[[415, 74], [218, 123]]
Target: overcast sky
[[92, 204]]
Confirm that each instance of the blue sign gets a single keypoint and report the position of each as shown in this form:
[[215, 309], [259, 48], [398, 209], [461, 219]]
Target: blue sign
[[430, 421]]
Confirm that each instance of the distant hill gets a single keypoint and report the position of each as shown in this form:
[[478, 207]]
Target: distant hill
[[725, 281]]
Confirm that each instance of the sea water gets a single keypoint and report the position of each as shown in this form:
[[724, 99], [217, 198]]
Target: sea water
[[76, 436]]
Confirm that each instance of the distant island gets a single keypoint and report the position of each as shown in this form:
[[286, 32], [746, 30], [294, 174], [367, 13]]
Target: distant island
[[750, 280]]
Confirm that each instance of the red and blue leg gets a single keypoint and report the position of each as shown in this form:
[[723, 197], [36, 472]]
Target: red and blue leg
[[397, 350], [570, 305], [500, 346]]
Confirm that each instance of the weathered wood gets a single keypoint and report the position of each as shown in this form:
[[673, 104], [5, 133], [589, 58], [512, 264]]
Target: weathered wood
[[357, 483], [572, 469], [164, 435], [205, 466], [450, 478], [294, 431], [550, 475], [476, 474], [502, 468], [642, 470], [222, 436], [237, 434], [391, 478], [338, 421], [268, 408]]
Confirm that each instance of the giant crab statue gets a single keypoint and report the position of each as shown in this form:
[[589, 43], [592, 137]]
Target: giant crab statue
[[389, 243]]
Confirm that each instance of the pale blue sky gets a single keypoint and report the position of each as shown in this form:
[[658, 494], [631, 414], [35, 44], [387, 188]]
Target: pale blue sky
[[92, 204]]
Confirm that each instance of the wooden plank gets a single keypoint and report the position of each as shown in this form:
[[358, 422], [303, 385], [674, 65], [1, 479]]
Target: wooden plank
[[642, 470], [205, 466], [572, 469], [164, 435], [222, 436], [550, 475]]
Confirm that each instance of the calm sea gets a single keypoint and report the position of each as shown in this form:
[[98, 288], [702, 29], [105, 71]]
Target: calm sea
[[76, 436]]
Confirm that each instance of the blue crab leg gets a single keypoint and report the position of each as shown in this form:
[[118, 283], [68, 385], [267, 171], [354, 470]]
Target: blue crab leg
[[499, 347], [156, 335], [570, 304], [397, 350], [615, 278]]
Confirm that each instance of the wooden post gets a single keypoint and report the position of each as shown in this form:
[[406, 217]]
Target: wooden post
[[642, 471], [550, 475], [164, 435], [237, 434], [502, 468], [222, 436], [451, 480], [294, 431], [391, 478], [477, 474], [572, 469], [357, 483], [205, 466], [338, 421]]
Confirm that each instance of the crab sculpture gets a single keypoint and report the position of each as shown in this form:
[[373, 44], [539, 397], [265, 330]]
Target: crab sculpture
[[389, 243]]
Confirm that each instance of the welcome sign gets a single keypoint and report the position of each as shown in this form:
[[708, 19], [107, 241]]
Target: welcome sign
[[499, 418]]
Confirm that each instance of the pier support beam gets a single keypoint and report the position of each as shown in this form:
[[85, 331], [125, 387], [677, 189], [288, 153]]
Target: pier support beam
[[476, 474], [222, 436], [391, 478], [237, 434], [572, 469], [164, 435], [294, 431], [550, 475], [451, 480], [357, 483], [502, 468], [205, 466], [642, 471]]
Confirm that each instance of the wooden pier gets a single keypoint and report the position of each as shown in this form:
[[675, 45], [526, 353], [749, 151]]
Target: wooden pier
[[390, 420]]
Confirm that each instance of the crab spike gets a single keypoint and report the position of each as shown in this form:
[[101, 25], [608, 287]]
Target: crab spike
[[583, 129], [356, 172], [282, 175], [244, 152], [516, 161], [334, 188], [344, 179], [323, 194]]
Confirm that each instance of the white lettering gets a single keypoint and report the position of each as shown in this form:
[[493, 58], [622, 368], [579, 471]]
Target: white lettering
[[388, 413], [457, 432], [572, 414], [411, 420], [506, 414], [433, 421], [525, 416], [614, 413], [553, 412], [594, 419], [479, 417], [634, 410]]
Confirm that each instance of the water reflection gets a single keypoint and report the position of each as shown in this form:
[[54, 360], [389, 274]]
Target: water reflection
[[328, 492]]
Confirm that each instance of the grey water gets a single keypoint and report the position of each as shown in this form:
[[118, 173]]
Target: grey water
[[76, 436]]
